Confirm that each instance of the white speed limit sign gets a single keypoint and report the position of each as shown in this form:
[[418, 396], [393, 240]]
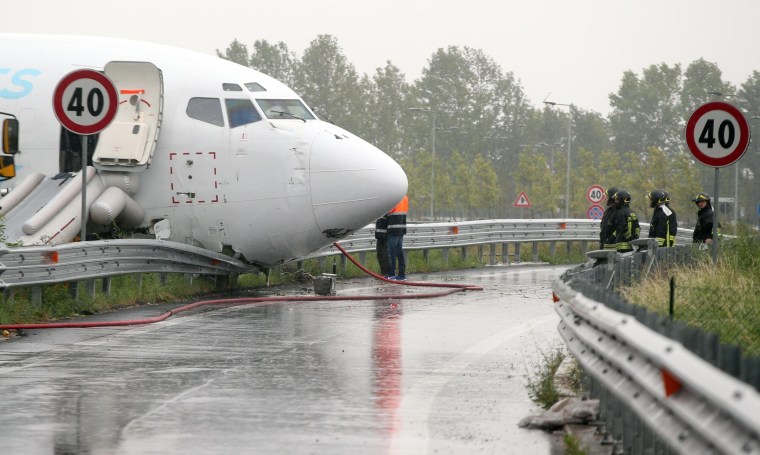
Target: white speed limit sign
[[717, 134], [85, 101], [595, 194]]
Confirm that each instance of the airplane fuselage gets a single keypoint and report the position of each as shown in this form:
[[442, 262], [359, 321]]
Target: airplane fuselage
[[269, 184]]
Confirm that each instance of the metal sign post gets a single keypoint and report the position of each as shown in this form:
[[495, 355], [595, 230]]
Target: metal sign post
[[85, 102]]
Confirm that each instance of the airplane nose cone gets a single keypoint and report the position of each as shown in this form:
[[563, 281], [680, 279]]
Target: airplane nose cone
[[352, 182]]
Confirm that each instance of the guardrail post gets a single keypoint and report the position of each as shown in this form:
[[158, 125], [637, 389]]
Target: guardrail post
[[89, 285], [299, 265], [74, 290], [105, 286], [464, 253], [445, 254], [493, 253], [163, 278], [138, 278], [480, 253], [321, 261], [584, 247], [363, 257], [344, 262], [517, 252], [8, 295], [505, 253], [426, 255], [535, 251], [569, 247], [35, 296], [553, 249]]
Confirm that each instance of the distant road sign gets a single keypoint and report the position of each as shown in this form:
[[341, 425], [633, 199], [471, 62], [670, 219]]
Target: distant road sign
[[85, 101], [522, 201], [595, 194], [595, 212], [717, 134]]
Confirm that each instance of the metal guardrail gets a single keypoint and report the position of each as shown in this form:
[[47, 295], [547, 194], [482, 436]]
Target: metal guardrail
[[38, 265], [682, 402], [467, 233]]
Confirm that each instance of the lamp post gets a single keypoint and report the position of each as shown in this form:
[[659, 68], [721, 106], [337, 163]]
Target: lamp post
[[569, 141], [432, 164]]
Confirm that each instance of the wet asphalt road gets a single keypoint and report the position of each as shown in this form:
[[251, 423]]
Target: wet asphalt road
[[400, 376]]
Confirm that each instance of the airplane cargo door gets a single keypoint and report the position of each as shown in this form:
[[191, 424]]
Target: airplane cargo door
[[128, 143]]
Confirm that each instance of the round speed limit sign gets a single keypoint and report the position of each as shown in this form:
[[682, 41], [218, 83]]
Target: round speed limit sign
[[717, 134], [85, 101]]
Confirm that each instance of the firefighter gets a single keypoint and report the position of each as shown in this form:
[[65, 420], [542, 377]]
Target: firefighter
[[664, 225], [625, 222], [606, 229], [703, 231]]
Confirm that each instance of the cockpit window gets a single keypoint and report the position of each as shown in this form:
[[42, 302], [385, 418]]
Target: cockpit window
[[241, 112], [284, 109], [207, 110], [231, 87], [255, 87]]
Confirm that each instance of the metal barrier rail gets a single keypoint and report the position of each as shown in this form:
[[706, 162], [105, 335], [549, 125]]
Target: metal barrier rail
[[693, 406], [467, 233], [37, 265]]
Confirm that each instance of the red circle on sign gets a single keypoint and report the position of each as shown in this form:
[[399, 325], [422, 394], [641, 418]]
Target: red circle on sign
[[595, 212], [591, 191], [733, 154], [70, 123]]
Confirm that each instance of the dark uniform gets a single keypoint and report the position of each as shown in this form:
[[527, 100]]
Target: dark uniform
[[381, 246], [606, 229], [626, 222], [664, 225], [703, 231]]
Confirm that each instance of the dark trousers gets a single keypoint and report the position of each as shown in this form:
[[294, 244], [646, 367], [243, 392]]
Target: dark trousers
[[381, 247], [396, 254]]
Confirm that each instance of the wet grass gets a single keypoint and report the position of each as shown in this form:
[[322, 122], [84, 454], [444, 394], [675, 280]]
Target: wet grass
[[722, 298]]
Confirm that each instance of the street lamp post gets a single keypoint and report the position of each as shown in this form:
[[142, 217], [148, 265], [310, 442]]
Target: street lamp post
[[569, 141], [432, 164]]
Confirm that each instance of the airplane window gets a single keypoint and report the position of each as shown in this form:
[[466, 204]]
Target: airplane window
[[284, 109], [207, 110], [255, 87], [231, 87], [241, 112]]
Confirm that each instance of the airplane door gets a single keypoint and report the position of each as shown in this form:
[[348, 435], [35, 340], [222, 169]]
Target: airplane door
[[128, 143]]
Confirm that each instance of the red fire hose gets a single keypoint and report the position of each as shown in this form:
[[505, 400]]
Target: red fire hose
[[453, 288]]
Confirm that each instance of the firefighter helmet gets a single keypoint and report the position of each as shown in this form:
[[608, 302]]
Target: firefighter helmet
[[610, 193], [622, 197], [657, 197], [701, 197]]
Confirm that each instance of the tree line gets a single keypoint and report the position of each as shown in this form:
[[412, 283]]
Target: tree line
[[491, 143]]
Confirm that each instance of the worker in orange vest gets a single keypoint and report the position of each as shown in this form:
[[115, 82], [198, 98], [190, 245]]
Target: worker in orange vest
[[396, 231]]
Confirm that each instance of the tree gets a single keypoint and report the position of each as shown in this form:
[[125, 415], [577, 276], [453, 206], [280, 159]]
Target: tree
[[274, 60], [235, 52], [647, 111], [330, 84]]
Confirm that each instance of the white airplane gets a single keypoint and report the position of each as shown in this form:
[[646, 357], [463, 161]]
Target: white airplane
[[201, 151]]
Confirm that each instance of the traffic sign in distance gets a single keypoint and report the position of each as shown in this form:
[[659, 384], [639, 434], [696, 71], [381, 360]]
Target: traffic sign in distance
[[717, 134], [595, 194], [85, 101], [595, 212], [522, 201]]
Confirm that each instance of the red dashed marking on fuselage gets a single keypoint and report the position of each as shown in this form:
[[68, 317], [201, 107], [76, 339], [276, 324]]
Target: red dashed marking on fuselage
[[173, 188]]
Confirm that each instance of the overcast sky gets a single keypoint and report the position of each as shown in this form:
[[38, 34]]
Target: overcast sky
[[577, 50]]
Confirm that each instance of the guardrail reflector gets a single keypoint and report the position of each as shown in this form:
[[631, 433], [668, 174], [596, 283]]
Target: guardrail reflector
[[671, 383], [51, 257], [563, 226], [215, 262], [454, 230]]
